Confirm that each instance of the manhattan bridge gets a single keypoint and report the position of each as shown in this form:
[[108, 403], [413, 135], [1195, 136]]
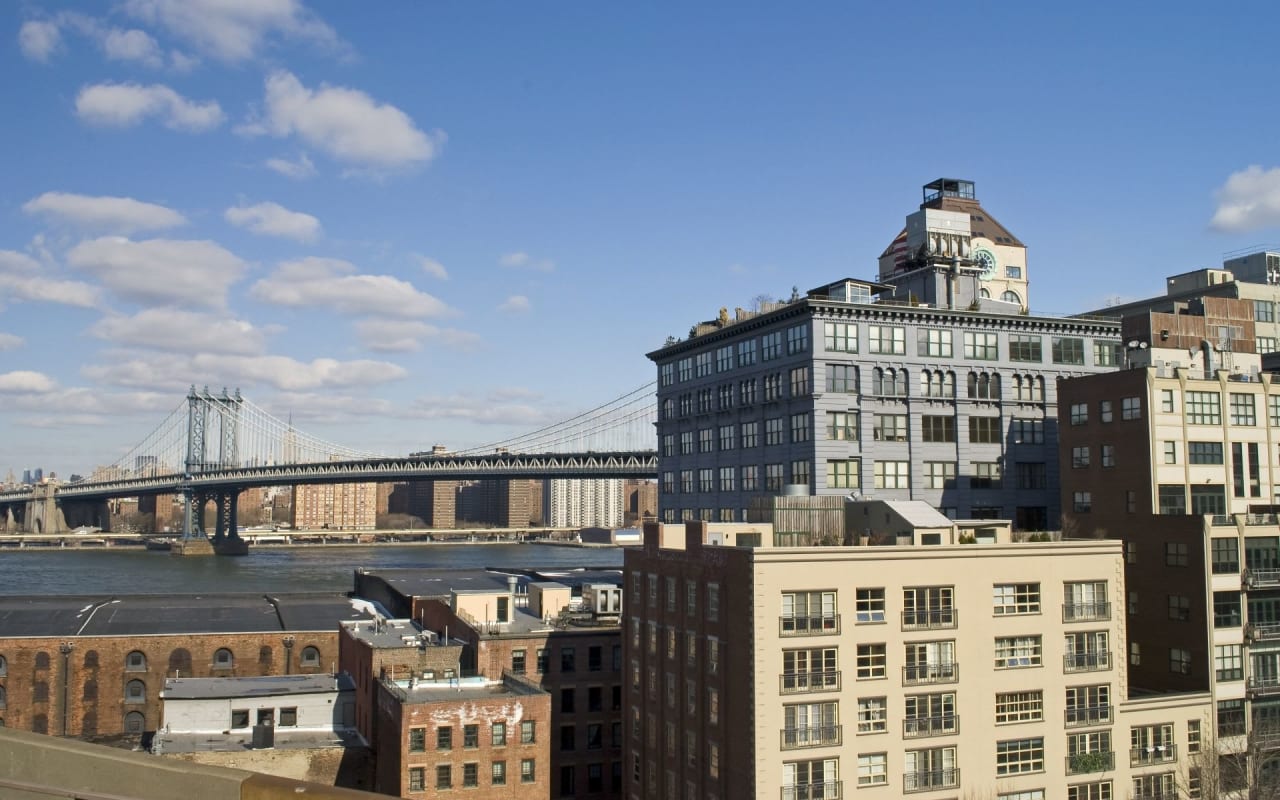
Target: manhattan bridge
[[213, 446]]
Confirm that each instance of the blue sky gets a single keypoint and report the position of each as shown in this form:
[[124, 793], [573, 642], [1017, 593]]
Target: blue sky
[[415, 223]]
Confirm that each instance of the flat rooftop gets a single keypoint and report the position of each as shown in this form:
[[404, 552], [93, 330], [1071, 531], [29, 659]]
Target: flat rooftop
[[214, 688], [391, 633], [235, 741], [443, 582], [452, 691], [158, 614]]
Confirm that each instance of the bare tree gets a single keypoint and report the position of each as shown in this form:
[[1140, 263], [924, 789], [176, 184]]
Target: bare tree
[[1243, 767]]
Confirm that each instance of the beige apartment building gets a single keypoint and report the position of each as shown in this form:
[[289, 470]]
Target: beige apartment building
[[984, 669], [335, 506]]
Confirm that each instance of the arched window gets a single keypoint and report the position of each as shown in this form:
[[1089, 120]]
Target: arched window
[[223, 659], [91, 659], [265, 656], [134, 722], [136, 661], [90, 690], [984, 293], [3, 701], [4, 666], [135, 692], [310, 657], [42, 660], [40, 723], [180, 663], [1011, 297], [901, 383]]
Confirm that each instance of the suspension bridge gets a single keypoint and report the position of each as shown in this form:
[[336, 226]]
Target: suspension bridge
[[213, 446]]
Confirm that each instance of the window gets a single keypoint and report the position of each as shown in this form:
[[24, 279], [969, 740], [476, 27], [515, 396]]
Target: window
[[886, 339], [873, 715], [871, 661], [135, 692], [713, 602], [1027, 431], [567, 659], [1016, 598], [417, 779], [840, 337], [470, 774], [444, 738], [1027, 794], [842, 426], [773, 387], [799, 379], [892, 474], [809, 613], [135, 662], [937, 384], [981, 346], [869, 605], [933, 343], [800, 428], [800, 473], [1016, 756], [1204, 452], [983, 386], [873, 769], [747, 392], [984, 430], [417, 740], [528, 731], [1193, 736], [240, 718], [1108, 455], [1100, 790], [773, 431], [527, 774], [1012, 707], [1204, 408], [1013, 652], [1179, 661], [985, 475], [843, 474], [499, 734], [1228, 662], [938, 428], [1243, 411], [930, 769], [1263, 311], [1081, 502], [444, 776], [939, 474], [498, 773], [1176, 554], [810, 724], [929, 715], [686, 369], [1025, 347], [773, 477], [1230, 718], [747, 353], [310, 657], [1131, 407], [1079, 413], [223, 659], [890, 428], [842, 378], [1068, 350], [1225, 555]]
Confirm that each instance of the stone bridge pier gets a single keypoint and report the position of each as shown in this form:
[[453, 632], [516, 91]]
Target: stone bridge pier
[[44, 514]]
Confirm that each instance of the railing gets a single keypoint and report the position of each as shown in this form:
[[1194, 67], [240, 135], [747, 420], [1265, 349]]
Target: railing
[[1261, 631], [799, 682], [931, 779], [809, 626], [1260, 578], [1097, 761], [930, 673], [1088, 715], [918, 727], [1221, 520], [821, 736], [1088, 661], [1261, 519], [1265, 685], [926, 619], [1081, 612], [1159, 754], [827, 790]]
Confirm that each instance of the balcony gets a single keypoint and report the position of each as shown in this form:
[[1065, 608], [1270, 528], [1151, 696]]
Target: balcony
[[1156, 754], [1086, 612], [809, 626], [801, 682], [920, 727], [1087, 715], [828, 790], [1261, 632], [929, 780], [821, 736], [1261, 578], [1088, 661], [1263, 686], [915, 674], [929, 619], [1085, 763]]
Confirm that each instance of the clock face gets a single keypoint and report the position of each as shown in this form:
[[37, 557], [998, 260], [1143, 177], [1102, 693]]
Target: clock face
[[987, 260]]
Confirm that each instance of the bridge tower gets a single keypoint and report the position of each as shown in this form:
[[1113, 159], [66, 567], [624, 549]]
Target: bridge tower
[[213, 443]]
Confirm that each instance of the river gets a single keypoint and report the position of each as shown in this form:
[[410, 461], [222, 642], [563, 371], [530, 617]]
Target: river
[[317, 568]]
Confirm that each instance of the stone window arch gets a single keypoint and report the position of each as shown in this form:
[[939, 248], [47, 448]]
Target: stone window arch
[[134, 722], [180, 663], [223, 659], [42, 660], [91, 659], [136, 661], [1011, 297], [266, 656], [310, 657], [4, 666], [135, 691]]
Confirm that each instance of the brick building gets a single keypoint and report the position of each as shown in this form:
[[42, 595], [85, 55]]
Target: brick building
[[335, 506]]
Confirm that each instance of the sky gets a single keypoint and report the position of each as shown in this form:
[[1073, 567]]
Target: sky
[[404, 224]]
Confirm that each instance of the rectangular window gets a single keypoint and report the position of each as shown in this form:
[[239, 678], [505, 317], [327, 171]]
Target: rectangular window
[[773, 431], [797, 339], [702, 365], [1030, 475], [981, 346], [1068, 350], [1088, 705], [773, 477], [444, 738], [417, 740], [800, 473], [444, 776], [470, 735], [1263, 311], [1166, 401], [747, 353], [1027, 431], [726, 437], [1105, 353], [1079, 457], [938, 428], [984, 430], [890, 428], [1228, 662], [1204, 408], [871, 661], [1104, 411], [985, 475], [750, 437], [842, 426], [706, 440], [1108, 455], [1013, 652], [873, 769], [886, 339], [1079, 413], [840, 337], [842, 378], [799, 377], [747, 392], [1012, 707], [528, 731], [686, 369], [1131, 407], [809, 613], [933, 343], [892, 474], [1243, 410], [1176, 554], [499, 734], [724, 358], [417, 779], [771, 346], [1016, 598], [869, 605], [1172, 499], [800, 428], [873, 715], [1016, 756], [1082, 502], [1025, 347], [527, 774], [939, 475]]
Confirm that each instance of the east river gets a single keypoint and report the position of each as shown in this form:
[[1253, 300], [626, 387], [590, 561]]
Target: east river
[[316, 568]]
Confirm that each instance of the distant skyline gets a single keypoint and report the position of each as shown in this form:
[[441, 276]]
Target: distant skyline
[[413, 224]]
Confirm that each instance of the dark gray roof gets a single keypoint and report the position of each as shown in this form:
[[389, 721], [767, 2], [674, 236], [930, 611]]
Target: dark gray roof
[[141, 615], [209, 688]]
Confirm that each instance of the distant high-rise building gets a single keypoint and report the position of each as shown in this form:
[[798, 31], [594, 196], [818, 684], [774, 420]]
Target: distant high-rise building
[[640, 500], [433, 502], [340, 506], [505, 503], [579, 503]]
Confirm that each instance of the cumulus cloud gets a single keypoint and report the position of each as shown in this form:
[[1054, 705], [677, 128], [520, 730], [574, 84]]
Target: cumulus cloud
[[26, 382], [182, 332], [526, 261], [273, 219], [345, 123], [132, 45], [39, 39], [298, 169], [75, 402], [192, 273], [121, 105], [1249, 200], [115, 214], [433, 268], [332, 283], [177, 371], [21, 279], [236, 30], [9, 341], [406, 336], [515, 304], [12, 261]]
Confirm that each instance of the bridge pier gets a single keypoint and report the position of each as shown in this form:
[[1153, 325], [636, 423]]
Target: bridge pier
[[44, 514]]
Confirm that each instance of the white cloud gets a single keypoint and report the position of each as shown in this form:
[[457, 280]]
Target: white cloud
[[177, 371], [194, 273], [406, 336], [515, 303], [116, 214], [492, 408], [39, 39], [13, 261], [273, 219], [433, 268], [121, 105], [182, 331], [26, 382], [302, 168], [132, 45], [236, 30], [345, 123], [326, 407], [20, 279], [9, 341], [1249, 200], [72, 402], [330, 283], [526, 261]]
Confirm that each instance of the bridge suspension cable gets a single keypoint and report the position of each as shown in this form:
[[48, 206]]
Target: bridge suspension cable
[[623, 423]]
